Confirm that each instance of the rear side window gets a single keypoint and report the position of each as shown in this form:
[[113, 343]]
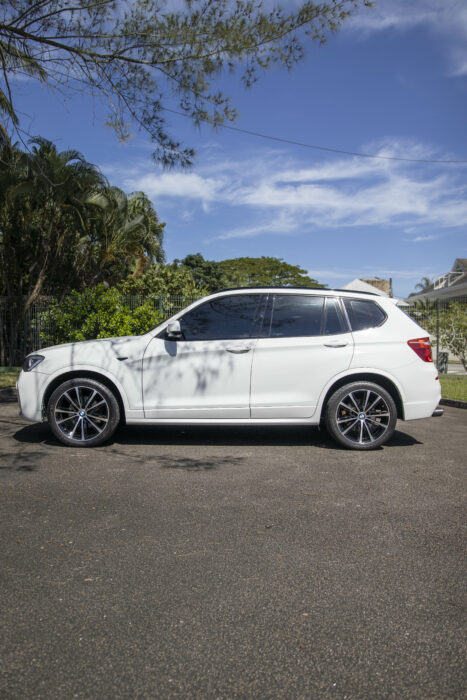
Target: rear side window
[[294, 316], [223, 318], [364, 314]]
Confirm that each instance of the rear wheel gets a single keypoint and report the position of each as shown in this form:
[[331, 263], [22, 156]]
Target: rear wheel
[[83, 413], [361, 416]]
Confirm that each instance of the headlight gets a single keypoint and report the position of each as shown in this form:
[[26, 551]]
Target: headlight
[[32, 361]]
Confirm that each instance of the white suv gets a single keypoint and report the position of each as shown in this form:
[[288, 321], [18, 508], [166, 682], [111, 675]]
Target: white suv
[[269, 356]]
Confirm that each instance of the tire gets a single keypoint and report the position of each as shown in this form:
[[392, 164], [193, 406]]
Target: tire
[[361, 416], [83, 413]]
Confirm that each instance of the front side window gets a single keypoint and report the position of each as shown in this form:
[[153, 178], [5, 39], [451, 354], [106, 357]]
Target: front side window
[[294, 316], [223, 318], [364, 314]]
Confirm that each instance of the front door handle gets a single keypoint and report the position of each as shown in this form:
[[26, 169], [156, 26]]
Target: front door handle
[[238, 349], [335, 345]]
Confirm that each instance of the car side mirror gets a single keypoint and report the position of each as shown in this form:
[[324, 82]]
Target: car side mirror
[[174, 331]]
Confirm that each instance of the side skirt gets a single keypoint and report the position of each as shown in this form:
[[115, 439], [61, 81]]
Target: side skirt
[[221, 421]]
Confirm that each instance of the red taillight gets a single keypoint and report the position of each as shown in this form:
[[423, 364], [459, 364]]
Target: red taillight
[[422, 347]]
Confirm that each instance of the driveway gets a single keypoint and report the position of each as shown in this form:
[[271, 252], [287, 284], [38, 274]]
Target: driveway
[[233, 563]]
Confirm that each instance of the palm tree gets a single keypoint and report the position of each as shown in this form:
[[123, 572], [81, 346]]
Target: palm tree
[[46, 190], [129, 234], [424, 284]]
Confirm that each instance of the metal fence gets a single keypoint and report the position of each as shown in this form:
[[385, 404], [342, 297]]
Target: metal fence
[[22, 332], [446, 322]]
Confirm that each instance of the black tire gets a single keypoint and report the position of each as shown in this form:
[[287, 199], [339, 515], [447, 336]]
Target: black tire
[[83, 413], [361, 416]]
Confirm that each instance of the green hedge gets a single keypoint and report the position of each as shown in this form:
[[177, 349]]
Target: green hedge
[[96, 313]]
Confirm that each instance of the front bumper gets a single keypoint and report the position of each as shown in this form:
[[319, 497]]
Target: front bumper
[[30, 389]]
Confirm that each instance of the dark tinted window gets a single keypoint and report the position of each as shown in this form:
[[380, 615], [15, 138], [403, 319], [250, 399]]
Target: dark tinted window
[[223, 318], [333, 321], [364, 314], [294, 316]]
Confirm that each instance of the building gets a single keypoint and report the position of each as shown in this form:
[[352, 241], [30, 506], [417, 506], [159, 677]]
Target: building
[[375, 285], [450, 286]]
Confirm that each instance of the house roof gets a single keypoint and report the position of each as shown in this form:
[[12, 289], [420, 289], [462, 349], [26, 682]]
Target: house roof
[[460, 264], [451, 284], [358, 285]]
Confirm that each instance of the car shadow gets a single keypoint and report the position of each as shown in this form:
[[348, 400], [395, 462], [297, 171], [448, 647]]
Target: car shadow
[[280, 435]]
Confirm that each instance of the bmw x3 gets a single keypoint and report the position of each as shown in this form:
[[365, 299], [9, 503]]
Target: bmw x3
[[352, 361]]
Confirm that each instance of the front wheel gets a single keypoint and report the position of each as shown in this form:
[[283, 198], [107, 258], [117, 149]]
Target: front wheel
[[361, 416], [83, 413]]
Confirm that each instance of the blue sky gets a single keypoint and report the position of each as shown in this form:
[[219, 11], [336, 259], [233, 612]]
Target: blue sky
[[392, 82]]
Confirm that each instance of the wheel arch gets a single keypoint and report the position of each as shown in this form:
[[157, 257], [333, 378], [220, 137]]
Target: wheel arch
[[373, 377], [83, 374]]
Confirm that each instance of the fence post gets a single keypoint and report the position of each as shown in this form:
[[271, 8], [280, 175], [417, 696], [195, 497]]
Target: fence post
[[25, 330], [437, 330]]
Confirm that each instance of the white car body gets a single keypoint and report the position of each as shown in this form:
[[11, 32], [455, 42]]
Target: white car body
[[255, 380]]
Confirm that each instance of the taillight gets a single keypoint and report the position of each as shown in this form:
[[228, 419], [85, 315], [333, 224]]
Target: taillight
[[422, 347]]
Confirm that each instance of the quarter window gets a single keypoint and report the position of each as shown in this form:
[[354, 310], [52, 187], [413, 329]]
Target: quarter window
[[364, 314], [223, 318]]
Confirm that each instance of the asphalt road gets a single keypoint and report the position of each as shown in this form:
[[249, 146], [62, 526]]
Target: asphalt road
[[233, 563]]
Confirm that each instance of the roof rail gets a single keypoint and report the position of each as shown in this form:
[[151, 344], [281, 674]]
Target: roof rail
[[271, 286]]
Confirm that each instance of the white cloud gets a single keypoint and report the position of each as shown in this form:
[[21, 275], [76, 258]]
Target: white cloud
[[367, 273], [186, 185], [420, 239], [281, 196], [282, 225], [446, 19]]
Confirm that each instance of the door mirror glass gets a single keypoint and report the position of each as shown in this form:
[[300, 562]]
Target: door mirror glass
[[174, 332]]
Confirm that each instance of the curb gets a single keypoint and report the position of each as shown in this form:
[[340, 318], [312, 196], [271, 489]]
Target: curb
[[8, 395], [454, 403]]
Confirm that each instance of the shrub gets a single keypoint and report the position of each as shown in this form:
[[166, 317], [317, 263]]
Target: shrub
[[95, 313]]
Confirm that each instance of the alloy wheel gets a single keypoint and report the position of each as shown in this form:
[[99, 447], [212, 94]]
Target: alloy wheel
[[362, 416], [81, 413]]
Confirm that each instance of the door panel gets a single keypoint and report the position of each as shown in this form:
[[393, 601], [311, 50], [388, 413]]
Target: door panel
[[197, 379], [207, 372], [289, 374], [306, 342]]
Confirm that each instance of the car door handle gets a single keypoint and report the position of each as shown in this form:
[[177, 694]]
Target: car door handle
[[238, 349], [335, 345]]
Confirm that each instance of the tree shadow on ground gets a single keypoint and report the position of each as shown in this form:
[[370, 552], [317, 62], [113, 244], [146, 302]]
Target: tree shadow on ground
[[190, 464]]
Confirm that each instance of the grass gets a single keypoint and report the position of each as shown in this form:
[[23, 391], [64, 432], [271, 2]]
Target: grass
[[8, 376], [452, 387]]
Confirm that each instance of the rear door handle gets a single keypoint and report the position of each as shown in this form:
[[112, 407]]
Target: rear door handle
[[335, 345], [238, 349]]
